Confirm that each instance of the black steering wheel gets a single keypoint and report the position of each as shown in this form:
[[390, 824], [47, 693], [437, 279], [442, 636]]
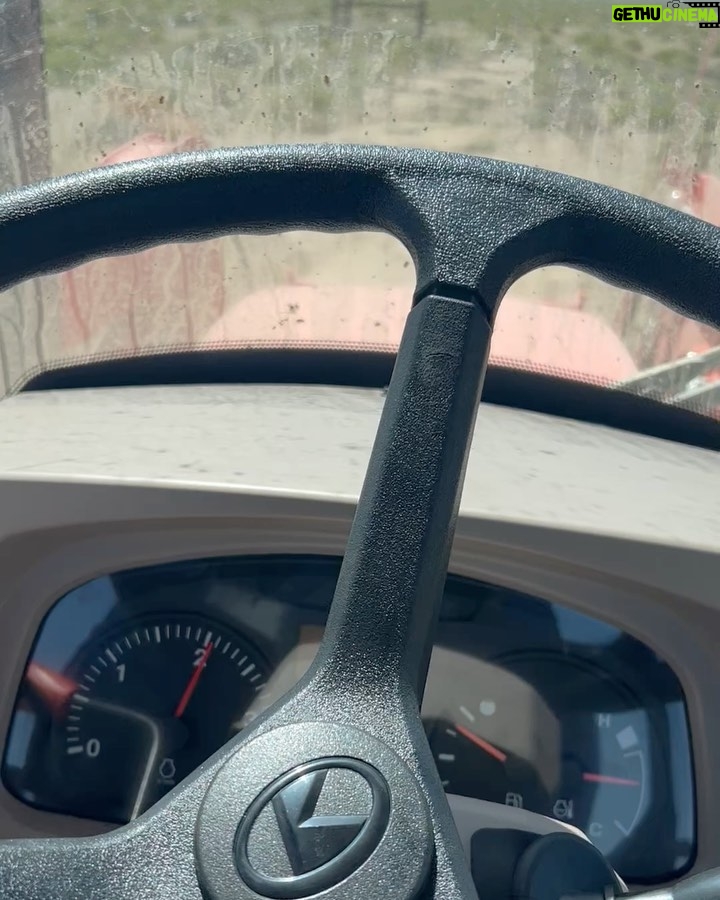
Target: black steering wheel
[[333, 791]]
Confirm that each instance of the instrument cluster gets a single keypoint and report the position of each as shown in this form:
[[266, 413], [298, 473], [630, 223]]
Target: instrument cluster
[[137, 677]]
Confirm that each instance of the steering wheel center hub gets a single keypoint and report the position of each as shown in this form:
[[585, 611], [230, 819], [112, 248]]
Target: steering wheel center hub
[[311, 808], [312, 827]]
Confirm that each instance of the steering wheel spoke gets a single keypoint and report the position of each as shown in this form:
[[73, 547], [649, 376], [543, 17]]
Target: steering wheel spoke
[[333, 791], [382, 622], [149, 858]]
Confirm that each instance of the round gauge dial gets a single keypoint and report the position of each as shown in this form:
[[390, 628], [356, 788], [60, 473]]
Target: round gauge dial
[[149, 704], [554, 737]]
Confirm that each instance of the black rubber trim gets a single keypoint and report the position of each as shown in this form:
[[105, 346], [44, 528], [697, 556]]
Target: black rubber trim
[[516, 388], [597, 405], [346, 368]]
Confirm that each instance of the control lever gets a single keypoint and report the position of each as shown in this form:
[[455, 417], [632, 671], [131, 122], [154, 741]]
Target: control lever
[[557, 866]]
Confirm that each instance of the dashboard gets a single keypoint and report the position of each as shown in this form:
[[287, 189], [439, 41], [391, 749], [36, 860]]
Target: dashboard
[[137, 677], [168, 557]]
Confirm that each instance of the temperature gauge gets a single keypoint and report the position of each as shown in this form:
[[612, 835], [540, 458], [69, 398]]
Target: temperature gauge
[[555, 738]]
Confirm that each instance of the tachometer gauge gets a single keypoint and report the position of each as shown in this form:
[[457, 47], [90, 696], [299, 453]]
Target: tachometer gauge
[[143, 708], [554, 737]]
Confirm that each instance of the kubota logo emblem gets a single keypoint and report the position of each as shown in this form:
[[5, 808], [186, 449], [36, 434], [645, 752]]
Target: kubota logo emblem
[[312, 827]]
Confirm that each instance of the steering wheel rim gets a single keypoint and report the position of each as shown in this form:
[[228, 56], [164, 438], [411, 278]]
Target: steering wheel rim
[[472, 226]]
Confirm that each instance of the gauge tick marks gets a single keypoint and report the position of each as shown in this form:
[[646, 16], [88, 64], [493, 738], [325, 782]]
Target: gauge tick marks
[[151, 703]]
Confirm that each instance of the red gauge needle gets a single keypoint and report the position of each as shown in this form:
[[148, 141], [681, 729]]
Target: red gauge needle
[[481, 743], [192, 683], [53, 688], [610, 779]]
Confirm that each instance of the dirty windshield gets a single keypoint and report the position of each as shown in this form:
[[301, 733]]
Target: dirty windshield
[[628, 96]]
